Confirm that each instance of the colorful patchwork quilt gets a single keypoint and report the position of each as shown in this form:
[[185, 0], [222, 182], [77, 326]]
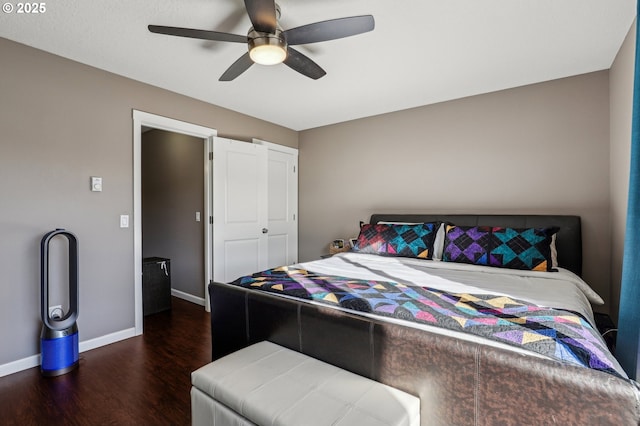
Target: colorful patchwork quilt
[[558, 334]]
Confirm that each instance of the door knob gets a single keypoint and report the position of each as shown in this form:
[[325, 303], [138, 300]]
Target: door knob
[[265, 230]]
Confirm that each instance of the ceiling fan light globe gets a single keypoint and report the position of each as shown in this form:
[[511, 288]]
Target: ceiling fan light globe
[[267, 48], [268, 54]]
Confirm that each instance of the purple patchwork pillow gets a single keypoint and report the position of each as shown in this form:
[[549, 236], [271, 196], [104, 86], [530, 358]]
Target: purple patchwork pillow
[[515, 248]]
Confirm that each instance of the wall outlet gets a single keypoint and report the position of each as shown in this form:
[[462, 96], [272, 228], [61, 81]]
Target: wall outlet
[[55, 311]]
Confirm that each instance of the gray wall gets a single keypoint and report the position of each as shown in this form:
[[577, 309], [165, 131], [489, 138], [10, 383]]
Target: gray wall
[[542, 148], [60, 123], [621, 95], [172, 192]]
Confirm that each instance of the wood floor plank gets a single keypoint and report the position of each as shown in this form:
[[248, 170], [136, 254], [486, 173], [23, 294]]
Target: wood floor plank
[[144, 380]]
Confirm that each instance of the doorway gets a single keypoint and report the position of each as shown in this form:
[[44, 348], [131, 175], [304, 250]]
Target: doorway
[[173, 222], [143, 121]]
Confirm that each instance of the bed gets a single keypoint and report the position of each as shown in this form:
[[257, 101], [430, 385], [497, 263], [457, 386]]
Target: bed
[[466, 330]]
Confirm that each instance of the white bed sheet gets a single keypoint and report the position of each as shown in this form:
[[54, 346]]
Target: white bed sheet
[[560, 290]]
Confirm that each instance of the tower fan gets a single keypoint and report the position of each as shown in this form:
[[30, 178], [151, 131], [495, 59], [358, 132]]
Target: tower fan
[[59, 336]]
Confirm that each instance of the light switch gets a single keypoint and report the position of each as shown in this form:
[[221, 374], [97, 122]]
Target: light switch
[[197, 216], [124, 221], [96, 184]]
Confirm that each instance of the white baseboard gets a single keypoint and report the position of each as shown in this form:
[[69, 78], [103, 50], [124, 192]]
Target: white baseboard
[[108, 339], [188, 297], [19, 365], [87, 345]]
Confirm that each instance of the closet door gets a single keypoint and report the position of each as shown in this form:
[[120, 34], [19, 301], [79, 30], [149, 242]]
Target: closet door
[[283, 204], [240, 226]]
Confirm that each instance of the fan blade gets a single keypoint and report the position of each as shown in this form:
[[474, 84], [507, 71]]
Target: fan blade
[[200, 34], [262, 14], [330, 30], [238, 67], [299, 62]]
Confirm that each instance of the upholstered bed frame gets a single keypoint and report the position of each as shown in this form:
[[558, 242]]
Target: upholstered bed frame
[[458, 382]]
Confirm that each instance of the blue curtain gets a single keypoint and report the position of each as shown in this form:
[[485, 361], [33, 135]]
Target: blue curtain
[[629, 315]]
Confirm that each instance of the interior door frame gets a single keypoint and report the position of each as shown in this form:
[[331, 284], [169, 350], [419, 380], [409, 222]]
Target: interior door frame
[[144, 119]]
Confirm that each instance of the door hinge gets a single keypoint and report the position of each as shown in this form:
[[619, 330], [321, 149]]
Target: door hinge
[[211, 220], [294, 169], [211, 156], [294, 216]]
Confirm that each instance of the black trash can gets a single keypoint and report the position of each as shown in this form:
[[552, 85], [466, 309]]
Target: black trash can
[[156, 285]]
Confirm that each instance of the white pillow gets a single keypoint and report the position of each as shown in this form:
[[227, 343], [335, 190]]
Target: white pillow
[[554, 252], [438, 244]]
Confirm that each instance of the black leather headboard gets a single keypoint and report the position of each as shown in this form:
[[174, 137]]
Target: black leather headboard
[[568, 239]]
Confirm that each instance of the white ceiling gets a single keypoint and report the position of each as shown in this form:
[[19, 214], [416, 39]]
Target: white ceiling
[[421, 51]]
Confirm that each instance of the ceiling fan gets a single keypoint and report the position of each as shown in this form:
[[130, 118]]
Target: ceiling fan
[[269, 44]]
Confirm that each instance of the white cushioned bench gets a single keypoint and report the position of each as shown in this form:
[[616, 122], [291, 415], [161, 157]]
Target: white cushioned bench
[[267, 385]]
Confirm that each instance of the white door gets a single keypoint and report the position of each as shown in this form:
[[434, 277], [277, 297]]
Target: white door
[[240, 244], [283, 204]]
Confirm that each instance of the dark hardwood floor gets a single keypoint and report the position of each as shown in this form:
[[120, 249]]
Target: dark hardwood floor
[[144, 380]]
